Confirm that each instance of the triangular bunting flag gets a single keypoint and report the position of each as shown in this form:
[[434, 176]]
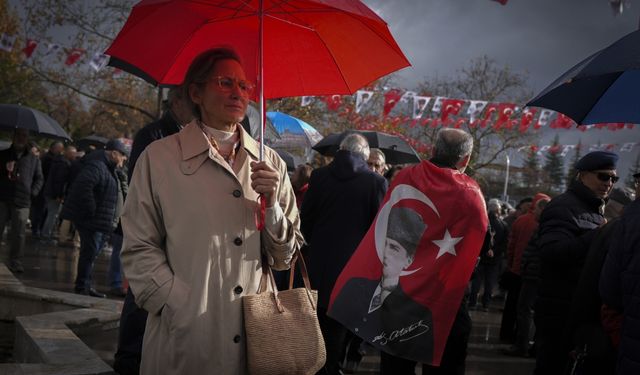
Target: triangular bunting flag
[[450, 107], [333, 102], [407, 96], [391, 98], [437, 104], [99, 61], [627, 147], [7, 41], [362, 97], [543, 149], [73, 55], [526, 118], [52, 48], [419, 105], [544, 118], [566, 149], [29, 48], [306, 100], [475, 109]]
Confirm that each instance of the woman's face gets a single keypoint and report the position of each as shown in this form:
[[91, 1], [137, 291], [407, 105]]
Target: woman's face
[[220, 106]]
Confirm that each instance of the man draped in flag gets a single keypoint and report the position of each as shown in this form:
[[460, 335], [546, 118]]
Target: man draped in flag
[[402, 289]]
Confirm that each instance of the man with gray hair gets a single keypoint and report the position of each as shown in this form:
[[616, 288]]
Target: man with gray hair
[[338, 208], [430, 324], [377, 161]]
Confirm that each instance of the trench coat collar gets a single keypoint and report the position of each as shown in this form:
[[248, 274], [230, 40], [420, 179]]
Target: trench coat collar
[[193, 143]]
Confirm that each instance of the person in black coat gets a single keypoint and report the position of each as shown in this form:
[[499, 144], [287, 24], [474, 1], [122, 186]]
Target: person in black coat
[[491, 255], [133, 319], [567, 228], [585, 326], [337, 210], [93, 206], [20, 180], [620, 283], [39, 212], [55, 189]]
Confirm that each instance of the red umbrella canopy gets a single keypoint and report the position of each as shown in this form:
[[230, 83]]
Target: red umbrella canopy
[[311, 47]]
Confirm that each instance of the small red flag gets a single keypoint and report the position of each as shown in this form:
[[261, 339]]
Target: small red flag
[[503, 2], [29, 48], [333, 102], [73, 55], [391, 98], [450, 107], [402, 288]]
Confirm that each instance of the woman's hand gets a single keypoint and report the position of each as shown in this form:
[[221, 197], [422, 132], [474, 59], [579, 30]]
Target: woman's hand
[[265, 181]]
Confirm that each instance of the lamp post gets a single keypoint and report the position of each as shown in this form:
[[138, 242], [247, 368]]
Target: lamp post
[[505, 197]]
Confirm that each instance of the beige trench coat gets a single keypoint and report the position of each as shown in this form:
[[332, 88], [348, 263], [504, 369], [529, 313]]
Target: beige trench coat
[[191, 251]]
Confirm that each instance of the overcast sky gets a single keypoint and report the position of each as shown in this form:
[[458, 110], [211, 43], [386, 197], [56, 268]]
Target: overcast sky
[[541, 37]]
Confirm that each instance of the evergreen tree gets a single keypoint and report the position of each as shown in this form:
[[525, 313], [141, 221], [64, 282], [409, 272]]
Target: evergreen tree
[[532, 169], [635, 168], [554, 167], [572, 167]]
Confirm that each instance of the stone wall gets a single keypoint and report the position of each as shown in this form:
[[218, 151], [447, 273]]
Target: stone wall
[[48, 326]]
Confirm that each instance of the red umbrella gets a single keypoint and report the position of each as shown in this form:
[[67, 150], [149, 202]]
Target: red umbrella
[[296, 47], [311, 47]]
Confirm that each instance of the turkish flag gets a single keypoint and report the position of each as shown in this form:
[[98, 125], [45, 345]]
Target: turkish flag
[[505, 111], [450, 107], [391, 98], [333, 102], [428, 235], [73, 55], [30, 47]]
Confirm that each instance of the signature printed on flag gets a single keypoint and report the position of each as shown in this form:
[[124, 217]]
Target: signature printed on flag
[[383, 338]]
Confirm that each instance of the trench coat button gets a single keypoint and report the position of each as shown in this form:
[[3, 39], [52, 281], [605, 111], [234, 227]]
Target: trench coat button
[[238, 241], [237, 338], [237, 193], [238, 289]]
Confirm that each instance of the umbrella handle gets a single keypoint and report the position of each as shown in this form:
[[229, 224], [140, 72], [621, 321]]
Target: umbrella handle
[[260, 212]]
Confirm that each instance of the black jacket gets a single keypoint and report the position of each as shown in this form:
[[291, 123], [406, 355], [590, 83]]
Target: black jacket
[[57, 183], [26, 181], [337, 210], [497, 242], [567, 228], [620, 285], [163, 127], [93, 196]]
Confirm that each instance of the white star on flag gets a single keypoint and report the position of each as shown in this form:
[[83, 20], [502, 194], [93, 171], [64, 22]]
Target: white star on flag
[[447, 244]]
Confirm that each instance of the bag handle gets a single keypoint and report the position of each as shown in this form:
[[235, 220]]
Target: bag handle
[[303, 269], [267, 276]]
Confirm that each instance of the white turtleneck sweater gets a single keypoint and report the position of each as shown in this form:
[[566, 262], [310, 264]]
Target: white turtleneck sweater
[[227, 141]]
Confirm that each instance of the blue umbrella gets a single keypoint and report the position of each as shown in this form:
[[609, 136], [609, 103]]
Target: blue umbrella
[[293, 131], [602, 88]]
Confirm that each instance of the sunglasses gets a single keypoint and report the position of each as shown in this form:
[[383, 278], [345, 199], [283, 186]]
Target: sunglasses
[[226, 84], [605, 177]]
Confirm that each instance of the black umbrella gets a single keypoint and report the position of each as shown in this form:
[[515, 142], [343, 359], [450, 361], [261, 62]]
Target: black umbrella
[[92, 140], [288, 159], [396, 151], [13, 116], [602, 88]]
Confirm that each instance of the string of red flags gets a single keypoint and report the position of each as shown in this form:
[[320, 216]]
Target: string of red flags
[[452, 112], [563, 150], [72, 56]]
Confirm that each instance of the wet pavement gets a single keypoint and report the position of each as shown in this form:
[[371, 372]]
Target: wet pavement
[[54, 267]]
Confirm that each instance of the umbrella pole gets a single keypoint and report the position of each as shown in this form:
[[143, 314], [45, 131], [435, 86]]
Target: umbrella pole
[[261, 75], [159, 108]]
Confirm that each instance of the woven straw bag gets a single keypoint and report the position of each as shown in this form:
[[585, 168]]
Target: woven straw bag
[[283, 333]]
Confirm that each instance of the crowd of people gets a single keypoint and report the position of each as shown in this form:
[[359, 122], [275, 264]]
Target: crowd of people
[[184, 211]]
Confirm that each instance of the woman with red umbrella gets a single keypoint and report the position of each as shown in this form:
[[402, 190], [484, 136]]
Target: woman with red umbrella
[[192, 247]]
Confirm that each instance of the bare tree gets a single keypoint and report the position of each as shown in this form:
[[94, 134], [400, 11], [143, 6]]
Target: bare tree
[[89, 25]]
